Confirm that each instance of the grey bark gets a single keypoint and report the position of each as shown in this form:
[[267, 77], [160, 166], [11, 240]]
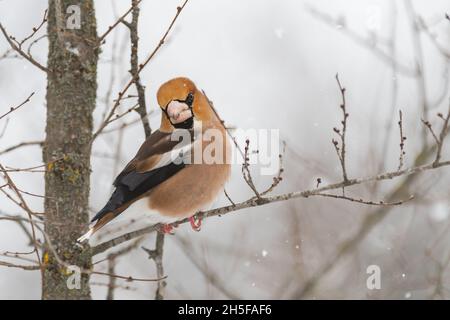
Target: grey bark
[[71, 96]]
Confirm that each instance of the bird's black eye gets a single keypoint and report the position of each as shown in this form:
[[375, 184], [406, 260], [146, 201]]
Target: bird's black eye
[[189, 99]]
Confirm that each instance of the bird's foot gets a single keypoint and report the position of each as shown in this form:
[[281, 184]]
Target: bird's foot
[[196, 223], [167, 229]]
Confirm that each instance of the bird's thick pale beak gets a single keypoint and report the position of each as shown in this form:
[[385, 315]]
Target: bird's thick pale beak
[[178, 112]]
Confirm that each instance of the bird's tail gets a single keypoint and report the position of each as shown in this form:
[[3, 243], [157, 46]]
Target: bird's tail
[[98, 224], [115, 205], [86, 236]]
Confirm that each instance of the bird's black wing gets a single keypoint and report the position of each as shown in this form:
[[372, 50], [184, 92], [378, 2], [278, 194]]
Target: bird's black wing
[[138, 177]]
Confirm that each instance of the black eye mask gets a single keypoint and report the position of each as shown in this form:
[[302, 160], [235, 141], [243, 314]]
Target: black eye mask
[[188, 123]]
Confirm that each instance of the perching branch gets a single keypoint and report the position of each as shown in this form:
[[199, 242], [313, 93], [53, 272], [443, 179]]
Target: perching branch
[[255, 202]]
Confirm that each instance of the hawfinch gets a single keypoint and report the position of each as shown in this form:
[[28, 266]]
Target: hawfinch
[[172, 169]]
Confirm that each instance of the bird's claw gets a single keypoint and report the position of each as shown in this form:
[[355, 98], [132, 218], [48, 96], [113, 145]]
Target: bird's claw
[[196, 223]]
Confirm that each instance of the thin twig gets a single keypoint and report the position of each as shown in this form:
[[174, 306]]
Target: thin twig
[[371, 203], [25, 207], [363, 42], [402, 141], [246, 174], [341, 151], [419, 57], [23, 267], [20, 145], [142, 108], [34, 31], [12, 109], [21, 52], [430, 127], [112, 257], [442, 135], [228, 197], [121, 19], [278, 178]]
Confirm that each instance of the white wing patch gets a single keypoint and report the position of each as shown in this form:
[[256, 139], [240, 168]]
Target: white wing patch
[[182, 153]]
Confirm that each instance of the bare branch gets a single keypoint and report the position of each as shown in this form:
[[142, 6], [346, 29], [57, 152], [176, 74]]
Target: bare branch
[[228, 197], [141, 67], [157, 255], [371, 203], [5, 126], [23, 267], [430, 127], [342, 149], [34, 31], [246, 174], [34, 42], [25, 207], [363, 42], [12, 109], [20, 51], [278, 178], [128, 278], [215, 278], [442, 135], [65, 264], [20, 145], [112, 257], [121, 19]]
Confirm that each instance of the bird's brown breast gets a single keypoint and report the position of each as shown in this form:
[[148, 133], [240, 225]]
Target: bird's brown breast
[[189, 190], [195, 186]]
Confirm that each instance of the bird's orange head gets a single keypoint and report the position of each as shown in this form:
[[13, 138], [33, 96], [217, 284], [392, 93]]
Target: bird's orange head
[[181, 103]]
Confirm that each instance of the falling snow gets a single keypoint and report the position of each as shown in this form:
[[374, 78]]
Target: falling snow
[[279, 32], [439, 212]]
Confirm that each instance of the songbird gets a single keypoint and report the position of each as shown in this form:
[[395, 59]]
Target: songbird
[[174, 176]]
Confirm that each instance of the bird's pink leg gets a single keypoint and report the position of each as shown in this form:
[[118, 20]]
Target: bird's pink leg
[[195, 223], [167, 229]]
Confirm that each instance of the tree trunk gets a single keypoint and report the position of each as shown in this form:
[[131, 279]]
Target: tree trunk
[[71, 96]]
